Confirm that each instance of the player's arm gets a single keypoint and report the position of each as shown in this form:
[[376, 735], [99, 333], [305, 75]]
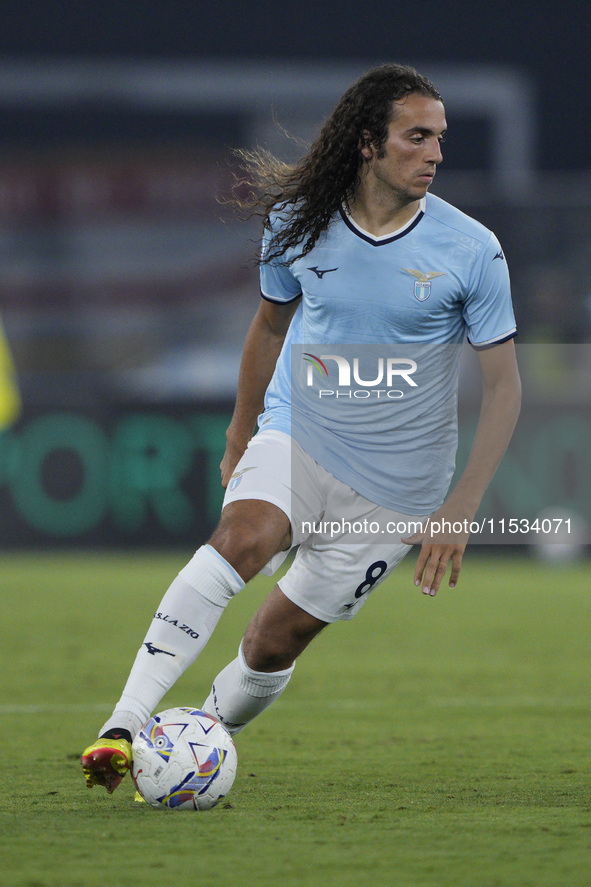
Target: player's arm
[[501, 401], [263, 344]]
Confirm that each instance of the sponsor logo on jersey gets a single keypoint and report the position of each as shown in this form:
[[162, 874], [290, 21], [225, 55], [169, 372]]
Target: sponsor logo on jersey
[[423, 282], [499, 255], [237, 477]]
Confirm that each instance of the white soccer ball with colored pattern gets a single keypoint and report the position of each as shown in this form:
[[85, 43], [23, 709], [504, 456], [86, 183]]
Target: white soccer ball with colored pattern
[[183, 759]]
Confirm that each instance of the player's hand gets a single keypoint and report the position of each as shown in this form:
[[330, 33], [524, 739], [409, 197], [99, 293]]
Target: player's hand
[[232, 456], [443, 540]]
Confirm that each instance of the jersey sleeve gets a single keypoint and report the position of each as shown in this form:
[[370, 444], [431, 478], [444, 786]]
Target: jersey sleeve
[[277, 282], [488, 310]]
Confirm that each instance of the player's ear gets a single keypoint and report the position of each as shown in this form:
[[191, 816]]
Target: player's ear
[[365, 144]]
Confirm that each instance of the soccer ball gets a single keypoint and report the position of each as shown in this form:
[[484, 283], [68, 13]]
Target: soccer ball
[[183, 759]]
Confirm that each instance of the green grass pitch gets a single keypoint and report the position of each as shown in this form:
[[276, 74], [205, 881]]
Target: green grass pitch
[[428, 742]]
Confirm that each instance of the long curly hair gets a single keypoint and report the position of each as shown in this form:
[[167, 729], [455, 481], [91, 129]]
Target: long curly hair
[[310, 191]]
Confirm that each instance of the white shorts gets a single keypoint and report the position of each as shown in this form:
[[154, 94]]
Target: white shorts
[[347, 544]]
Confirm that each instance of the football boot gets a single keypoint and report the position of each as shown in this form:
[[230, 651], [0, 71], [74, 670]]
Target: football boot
[[106, 762]]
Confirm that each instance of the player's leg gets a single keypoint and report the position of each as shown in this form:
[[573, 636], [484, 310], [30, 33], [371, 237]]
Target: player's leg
[[275, 637], [249, 534], [255, 526], [281, 629], [331, 578], [278, 632]]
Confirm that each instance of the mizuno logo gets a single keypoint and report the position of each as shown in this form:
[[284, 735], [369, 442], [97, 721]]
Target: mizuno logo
[[320, 272], [152, 650], [499, 255]]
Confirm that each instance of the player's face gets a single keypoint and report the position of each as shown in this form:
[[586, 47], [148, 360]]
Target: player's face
[[411, 151]]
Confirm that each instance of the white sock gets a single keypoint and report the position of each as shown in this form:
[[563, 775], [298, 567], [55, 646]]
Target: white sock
[[239, 693], [182, 626]]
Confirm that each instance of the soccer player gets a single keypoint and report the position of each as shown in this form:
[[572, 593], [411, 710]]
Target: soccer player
[[370, 285]]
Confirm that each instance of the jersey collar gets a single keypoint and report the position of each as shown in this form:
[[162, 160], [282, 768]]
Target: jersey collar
[[384, 238]]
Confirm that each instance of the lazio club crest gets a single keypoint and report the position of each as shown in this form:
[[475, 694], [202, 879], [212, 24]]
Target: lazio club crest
[[423, 282], [237, 477]]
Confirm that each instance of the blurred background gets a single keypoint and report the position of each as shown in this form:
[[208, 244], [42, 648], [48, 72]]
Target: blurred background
[[126, 286]]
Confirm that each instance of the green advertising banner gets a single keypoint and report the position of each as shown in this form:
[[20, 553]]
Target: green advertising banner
[[151, 477], [142, 477]]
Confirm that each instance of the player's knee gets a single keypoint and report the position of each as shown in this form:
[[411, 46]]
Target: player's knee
[[246, 545], [267, 654], [276, 646]]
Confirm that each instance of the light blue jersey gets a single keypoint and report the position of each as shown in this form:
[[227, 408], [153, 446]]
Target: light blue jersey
[[367, 377]]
